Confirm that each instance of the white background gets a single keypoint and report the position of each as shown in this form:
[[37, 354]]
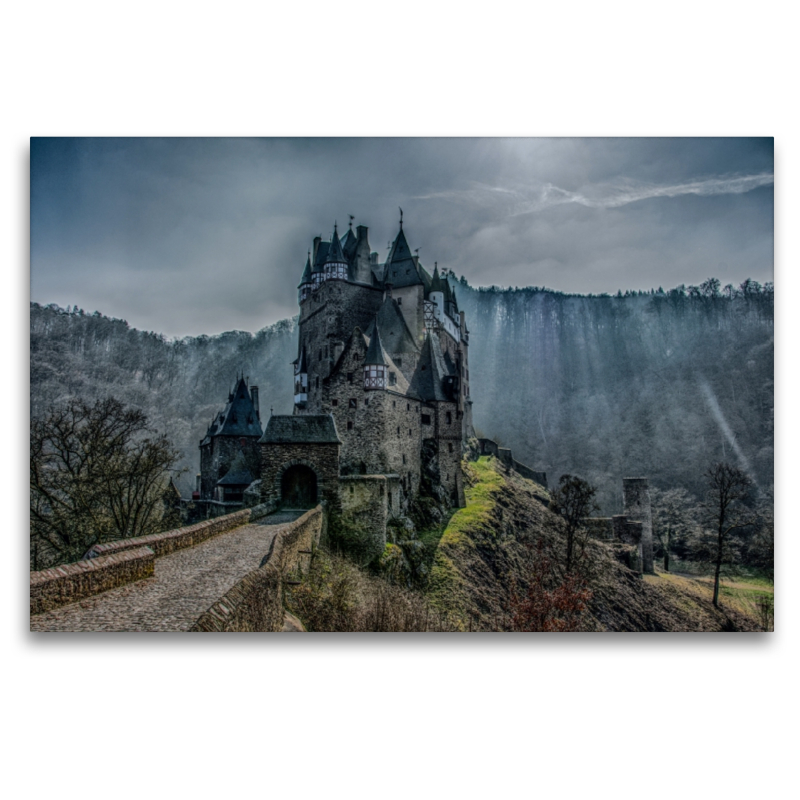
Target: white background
[[395, 716]]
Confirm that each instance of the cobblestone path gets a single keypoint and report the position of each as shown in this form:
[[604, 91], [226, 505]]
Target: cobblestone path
[[185, 584]]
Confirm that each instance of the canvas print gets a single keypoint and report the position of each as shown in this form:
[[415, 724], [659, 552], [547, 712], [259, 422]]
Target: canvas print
[[412, 385]]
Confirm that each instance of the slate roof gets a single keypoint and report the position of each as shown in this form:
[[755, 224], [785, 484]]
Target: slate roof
[[375, 352], [301, 362], [428, 379], [401, 269], [349, 242], [238, 418], [335, 254], [236, 478], [394, 330], [322, 254], [301, 429], [306, 272]]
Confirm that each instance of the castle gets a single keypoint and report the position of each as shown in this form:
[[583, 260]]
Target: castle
[[382, 403], [382, 408]]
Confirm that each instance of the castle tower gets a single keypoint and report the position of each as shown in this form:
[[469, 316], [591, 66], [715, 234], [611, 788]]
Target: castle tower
[[636, 507], [231, 446], [382, 350]]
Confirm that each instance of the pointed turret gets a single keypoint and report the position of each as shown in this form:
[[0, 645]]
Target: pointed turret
[[375, 363], [401, 266], [335, 262], [376, 355], [304, 288]]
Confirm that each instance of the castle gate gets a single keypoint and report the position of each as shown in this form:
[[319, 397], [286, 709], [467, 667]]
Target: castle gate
[[299, 487]]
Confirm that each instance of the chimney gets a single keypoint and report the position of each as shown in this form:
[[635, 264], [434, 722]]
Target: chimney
[[361, 233], [254, 396]]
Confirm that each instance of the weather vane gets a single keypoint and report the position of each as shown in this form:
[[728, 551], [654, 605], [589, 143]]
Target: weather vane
[[351, 220], [401, 217]]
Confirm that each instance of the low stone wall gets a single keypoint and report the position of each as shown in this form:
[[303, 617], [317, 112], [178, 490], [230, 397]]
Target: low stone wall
[[600, 527], [169, 541], [530, 474], [255, 603], [68, 583], [488, 447]]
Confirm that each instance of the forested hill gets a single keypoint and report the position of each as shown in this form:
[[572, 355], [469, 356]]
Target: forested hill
[[180, 384], [656, 384], [646, 384]]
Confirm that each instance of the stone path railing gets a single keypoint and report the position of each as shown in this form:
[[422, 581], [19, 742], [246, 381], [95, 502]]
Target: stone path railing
[[126, 560]]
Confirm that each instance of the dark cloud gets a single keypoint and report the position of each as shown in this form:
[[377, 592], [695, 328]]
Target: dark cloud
[[190, 236]]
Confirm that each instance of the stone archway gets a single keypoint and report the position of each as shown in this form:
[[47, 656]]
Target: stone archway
[[299, 487]]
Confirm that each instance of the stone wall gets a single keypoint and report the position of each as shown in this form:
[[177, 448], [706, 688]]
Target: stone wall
[[68, 583], [636, 506], [323, 459], [255, 603], [179, 538], [218, 455], [487, 447], [600, 527], [367, 502]]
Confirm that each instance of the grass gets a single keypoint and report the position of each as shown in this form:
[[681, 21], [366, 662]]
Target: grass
[[446, 587], [751, 595]]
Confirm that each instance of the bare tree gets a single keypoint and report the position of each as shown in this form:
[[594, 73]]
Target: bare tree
[[97, 472], [674, 519], [573, 501], [727, 489]]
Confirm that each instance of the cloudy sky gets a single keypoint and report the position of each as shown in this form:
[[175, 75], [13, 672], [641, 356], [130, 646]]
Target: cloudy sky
[[192, 236]]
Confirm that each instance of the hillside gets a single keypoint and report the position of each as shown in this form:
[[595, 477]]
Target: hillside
[[485, 554], [657, 384]]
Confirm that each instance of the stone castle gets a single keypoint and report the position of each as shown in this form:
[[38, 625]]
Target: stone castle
[[382, 406]]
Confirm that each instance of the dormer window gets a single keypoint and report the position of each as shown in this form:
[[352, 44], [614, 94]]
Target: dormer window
[[375, 376]]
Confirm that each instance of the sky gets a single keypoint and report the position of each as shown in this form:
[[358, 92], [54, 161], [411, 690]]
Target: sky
[[199, 236]]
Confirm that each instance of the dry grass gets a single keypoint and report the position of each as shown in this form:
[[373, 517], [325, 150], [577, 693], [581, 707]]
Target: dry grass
[[338, 596]]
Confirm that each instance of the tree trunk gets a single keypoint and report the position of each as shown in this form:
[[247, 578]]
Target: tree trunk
[[666, 551], [715, 601]]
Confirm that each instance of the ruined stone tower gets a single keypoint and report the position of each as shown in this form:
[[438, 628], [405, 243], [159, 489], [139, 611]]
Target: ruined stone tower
[[636, 507]]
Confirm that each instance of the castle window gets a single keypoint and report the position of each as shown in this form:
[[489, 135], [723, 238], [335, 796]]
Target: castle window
[[352, 403], [320, 356], [349, 377], [334, 402], [409, 432], [349, 424], [366, 401], [449, 417], [408, 406], [381, 489], [399, 299], [394, 404], [449, 447], [398, 430], [392, 379], [404, 458], [399, 362], [374, 376], [351, 489], [425, 419], [316, 382]]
